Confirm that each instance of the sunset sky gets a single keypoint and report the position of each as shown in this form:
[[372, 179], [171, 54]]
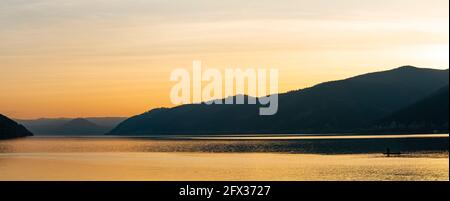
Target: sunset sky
[[85, 58]]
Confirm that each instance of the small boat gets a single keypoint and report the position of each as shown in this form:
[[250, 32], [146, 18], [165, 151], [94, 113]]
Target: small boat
[[388, 153]]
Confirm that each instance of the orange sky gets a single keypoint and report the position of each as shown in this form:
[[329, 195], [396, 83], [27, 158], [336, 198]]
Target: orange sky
[[114, 58]]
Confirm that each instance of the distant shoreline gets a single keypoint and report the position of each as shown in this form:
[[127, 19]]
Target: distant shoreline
[[194, 136]]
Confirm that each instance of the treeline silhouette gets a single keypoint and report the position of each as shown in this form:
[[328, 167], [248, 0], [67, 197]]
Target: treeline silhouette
[[405, 99]]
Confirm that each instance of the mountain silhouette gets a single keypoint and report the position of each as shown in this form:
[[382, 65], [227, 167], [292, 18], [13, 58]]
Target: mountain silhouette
[[109, 122], [66, 126], [337, 106], [428, 115], [11, 129], [81, 127]]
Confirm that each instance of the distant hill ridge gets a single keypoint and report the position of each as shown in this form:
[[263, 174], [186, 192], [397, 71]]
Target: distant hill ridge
[[80, 126], [69, 126], [337, 106]]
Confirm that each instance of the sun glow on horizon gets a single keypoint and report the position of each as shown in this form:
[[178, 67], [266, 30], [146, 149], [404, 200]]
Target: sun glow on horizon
[[95, 58]]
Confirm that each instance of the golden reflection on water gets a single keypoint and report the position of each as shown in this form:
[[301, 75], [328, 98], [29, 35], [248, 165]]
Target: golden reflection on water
[[162, 160], [218, 166]]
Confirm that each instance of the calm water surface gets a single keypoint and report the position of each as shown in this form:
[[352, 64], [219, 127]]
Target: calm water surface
[[288, 157]]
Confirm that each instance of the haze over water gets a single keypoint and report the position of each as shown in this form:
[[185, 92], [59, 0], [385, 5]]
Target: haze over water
[[233, 158]]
